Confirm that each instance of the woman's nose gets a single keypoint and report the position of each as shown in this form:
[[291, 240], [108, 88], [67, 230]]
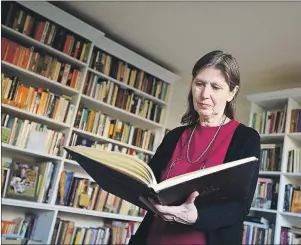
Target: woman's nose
[[206, 92]]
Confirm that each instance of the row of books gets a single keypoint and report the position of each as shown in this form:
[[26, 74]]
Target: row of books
[[294, 161], [36, 100], [104, 125], [43, 102], [22, 20], [268, 122], [82, 140], [78, 192], [95, 87], [295, 124], [266, 193], [19, 228], [122, 71], [290, 235], [40, 63], [126, 99], [38, 137], [270, 159], [258, 230], [31, 135], [292, 199], [67, 232], [33, 181], [50, 67], [27, 180], [101, 61]]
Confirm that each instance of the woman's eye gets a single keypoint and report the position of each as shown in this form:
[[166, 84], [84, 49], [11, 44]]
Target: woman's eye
[[215, 87]]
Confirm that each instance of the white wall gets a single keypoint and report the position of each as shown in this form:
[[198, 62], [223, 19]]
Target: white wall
[[178, 100]]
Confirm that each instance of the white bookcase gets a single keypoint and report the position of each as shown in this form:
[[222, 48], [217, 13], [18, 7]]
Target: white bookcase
[[48, 213], [288, 99]]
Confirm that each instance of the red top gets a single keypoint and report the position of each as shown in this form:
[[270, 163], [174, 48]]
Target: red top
[[162, 232]]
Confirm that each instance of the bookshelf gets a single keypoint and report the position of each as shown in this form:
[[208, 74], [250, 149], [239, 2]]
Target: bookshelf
[[72, 85], [276, 116]]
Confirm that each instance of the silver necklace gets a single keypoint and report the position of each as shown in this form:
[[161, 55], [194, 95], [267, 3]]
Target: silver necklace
[[212, 140]]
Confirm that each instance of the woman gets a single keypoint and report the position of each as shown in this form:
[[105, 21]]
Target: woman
[[211, 136]]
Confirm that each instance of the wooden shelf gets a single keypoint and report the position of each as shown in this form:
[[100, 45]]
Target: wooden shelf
[[34, 117], [119, 113], [295, 136], [19, 150], [65, 209], [94, 213], [279, 136], [264, 210], [36, 80], [105, 139], [26, 204], [72, 162], [292, 175], [296, 215], [270, 173]]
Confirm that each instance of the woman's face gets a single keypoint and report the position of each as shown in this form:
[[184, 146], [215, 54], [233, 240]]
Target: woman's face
[[210, 93]]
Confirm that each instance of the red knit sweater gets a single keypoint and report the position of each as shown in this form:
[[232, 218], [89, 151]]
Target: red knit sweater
[[175, 233]]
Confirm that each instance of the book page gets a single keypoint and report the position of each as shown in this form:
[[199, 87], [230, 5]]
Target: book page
[[199, 173], [123, 163]]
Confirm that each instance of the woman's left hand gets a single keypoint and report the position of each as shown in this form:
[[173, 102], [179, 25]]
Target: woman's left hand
[[186, 213]]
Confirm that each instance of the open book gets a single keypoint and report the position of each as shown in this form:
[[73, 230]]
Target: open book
[[129, 178]]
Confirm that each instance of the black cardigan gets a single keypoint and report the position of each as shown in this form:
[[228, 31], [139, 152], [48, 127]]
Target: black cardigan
[[223, 223]]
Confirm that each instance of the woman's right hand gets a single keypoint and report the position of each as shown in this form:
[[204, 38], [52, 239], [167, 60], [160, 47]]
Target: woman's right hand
[[185, 213]]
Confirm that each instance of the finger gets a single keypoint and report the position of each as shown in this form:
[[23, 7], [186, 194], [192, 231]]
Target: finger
[[172, 218], [159, 207], [192, 197], [149, 205], [164, 209], [167, 217], [170, 210]]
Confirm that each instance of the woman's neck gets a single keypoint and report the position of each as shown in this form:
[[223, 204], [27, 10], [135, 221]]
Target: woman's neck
[[214, 121]]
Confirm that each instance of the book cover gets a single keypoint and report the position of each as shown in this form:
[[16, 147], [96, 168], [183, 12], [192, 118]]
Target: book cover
[[5, 134], [23, 181], [129, 178]]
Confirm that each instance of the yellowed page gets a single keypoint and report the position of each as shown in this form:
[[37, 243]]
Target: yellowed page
[[124, 163], [199, 173]]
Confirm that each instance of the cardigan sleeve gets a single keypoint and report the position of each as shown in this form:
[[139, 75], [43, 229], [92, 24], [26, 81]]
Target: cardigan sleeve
[[226, 214]]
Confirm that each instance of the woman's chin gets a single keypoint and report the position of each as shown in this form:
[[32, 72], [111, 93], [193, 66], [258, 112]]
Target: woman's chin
[[205, 113]]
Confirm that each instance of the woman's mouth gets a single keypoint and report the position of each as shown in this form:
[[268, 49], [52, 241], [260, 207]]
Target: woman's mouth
[[203, 105]]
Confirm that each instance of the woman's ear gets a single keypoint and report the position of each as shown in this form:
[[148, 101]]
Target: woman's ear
[[233, 93]]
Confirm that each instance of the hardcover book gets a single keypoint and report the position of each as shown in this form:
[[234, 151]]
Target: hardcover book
[[130, 178]]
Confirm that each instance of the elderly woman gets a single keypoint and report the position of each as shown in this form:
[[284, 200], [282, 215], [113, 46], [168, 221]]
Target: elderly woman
[[210, 136]]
